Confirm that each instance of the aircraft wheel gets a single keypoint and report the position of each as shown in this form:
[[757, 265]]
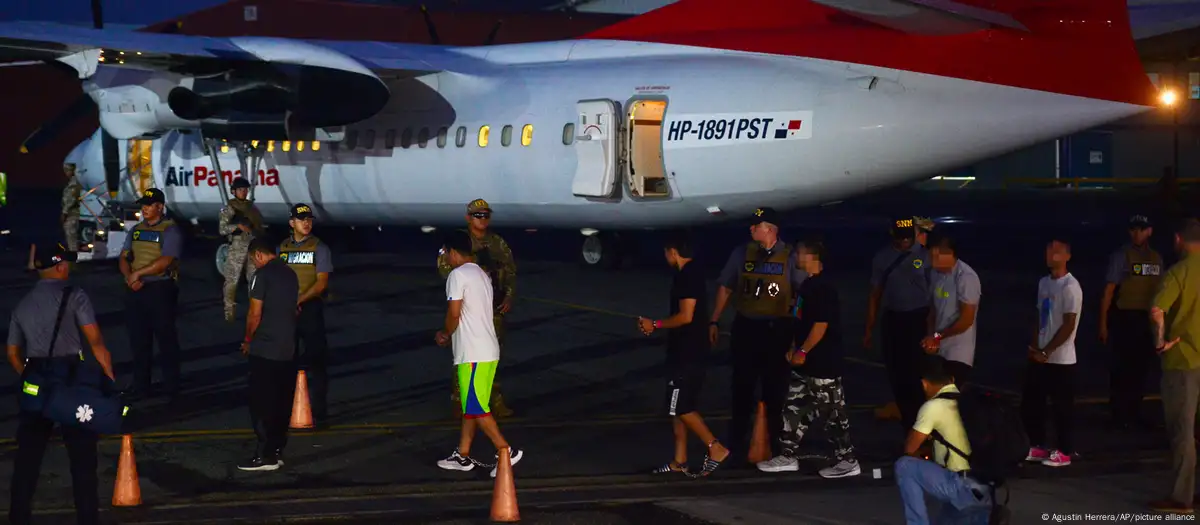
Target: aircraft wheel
[[593, 251], [221, 255], [603, 250]]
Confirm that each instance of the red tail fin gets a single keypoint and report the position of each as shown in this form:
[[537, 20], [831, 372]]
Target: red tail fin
[[1074, 47]]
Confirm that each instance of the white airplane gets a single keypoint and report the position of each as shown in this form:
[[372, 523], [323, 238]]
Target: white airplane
[[681, 116]]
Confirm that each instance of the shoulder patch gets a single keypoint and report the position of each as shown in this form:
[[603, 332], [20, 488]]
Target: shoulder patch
[[917, 263]]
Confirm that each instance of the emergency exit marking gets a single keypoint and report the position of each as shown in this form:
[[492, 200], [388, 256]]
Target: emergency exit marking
[[250, 13]]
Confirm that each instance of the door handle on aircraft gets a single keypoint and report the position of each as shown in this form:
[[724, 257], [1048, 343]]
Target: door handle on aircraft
[[584, 137]]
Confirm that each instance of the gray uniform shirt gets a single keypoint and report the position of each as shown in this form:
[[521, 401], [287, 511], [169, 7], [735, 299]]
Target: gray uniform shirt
[[172, 246], [908, 285], [948, 289], [276, 286], [33, 320], [733, 266]]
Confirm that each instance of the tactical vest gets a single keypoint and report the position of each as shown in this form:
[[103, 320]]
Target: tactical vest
[[146, 247], [302, 259], [1143, 273], [766, 290], [246, 208], [482, 248]]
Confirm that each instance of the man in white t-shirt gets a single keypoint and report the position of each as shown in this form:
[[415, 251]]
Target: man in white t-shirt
[[1051, 370], [470, 328]]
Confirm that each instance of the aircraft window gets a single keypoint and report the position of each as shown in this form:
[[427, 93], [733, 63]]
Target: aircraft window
[[441, 139], [423, 138], [460, 136], [287, 145], [568, 133], [506, 136], [299, 145], [484, 133], [527, 135], [316, 145], [369, 139], [389, 139], [406, 138], [352, 139]]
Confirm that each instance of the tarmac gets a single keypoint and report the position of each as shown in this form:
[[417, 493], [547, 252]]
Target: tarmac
[[589, 395]]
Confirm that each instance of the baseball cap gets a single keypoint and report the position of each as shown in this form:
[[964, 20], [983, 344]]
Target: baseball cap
[[478, 205], [904, 227], [1139, 221], [48, 254], [152, 196], [301, 211], [764, 215]]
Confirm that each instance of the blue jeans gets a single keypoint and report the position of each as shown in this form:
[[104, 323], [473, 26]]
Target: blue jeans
[[960, 503]]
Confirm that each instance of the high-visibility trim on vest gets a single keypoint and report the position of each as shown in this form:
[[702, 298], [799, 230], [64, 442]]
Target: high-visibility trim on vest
[[147, 246], [1143, 273], [30, 388], [302, 259], [765, 287], [125, 412]]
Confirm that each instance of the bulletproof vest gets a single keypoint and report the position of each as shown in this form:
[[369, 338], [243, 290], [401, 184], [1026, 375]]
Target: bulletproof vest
[[146, 246], [489, 262], [1144, 272], [302, 259], [244, 208], [766, 290]]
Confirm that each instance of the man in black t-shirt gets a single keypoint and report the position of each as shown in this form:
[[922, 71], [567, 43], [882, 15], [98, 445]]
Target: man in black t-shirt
[[816, 385], [687, 355]]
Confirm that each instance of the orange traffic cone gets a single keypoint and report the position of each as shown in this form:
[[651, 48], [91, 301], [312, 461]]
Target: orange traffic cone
[[889, 411], [127, 492], [301, 411], [504, 493], [760, 449]]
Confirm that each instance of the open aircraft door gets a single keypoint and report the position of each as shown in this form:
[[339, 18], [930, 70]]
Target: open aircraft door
[[596, 143]]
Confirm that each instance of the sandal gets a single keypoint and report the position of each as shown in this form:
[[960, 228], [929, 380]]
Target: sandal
[[668, 468], [711, 465]]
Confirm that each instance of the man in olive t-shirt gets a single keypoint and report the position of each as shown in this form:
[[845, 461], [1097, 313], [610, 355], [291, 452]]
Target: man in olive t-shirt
[[1175, 320]]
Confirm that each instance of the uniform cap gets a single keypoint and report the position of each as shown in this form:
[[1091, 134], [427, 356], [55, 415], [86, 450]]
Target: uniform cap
[[48, 254], [152, 196], [239, 183], [764, 214], [301, 211], [478, 205], [1139, 221], [904, 227]]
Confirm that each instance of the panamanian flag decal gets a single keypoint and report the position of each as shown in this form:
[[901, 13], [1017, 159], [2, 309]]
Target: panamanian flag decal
[[788, 129]]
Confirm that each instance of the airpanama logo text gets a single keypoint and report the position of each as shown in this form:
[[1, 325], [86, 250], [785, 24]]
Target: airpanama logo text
[[201, 175], [299, 258]]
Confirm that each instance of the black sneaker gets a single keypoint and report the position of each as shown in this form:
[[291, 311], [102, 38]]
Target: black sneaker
[[259, 463], [458, 462], [515, 456]]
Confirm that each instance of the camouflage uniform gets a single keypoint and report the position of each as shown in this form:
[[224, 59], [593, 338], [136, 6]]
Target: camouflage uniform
[[808, 399], [493, 255], [70, 212], [238, 211]]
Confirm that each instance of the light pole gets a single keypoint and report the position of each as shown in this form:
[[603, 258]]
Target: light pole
[[1170, 99]]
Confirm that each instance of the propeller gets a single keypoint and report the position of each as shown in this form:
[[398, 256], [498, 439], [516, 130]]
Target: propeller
[[82, 106]]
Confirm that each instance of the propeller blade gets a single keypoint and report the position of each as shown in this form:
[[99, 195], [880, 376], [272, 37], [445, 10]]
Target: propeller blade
[[491, 39], [112, 162], [433, 36], [97, 15], [50, 130]]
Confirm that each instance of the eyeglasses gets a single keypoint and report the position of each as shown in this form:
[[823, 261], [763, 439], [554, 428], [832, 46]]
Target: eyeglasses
[[481, 215]]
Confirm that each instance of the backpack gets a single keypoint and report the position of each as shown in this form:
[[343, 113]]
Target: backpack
[[998, 441]]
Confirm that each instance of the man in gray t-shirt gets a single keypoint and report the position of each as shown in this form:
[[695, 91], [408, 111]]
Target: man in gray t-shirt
[[954, 294]]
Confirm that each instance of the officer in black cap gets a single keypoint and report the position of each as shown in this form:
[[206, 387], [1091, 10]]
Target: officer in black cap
[[312, 261], [1134, 273], [763, 280], [44, 344], [150, 264]]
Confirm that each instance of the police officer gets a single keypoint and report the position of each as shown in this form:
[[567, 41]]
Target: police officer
[[312, 261], [1134, 273], [493, 255], [763, 281], [44, 342], [900, 285], [150, 264], [70, 207], [240, 222]]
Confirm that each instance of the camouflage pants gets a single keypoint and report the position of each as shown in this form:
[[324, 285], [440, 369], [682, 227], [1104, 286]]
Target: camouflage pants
[[810, 398], [70, 226], [234, 262]]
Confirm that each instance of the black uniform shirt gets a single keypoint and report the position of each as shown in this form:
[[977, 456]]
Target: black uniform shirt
[[277, 287]]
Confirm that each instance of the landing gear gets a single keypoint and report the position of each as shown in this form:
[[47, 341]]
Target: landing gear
[[604, 250], [221, 255]]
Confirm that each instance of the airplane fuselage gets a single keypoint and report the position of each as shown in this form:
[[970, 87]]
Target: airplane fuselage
[[727, 131]]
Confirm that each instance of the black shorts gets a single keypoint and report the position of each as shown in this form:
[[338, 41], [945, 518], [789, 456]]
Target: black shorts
[[683, 392]]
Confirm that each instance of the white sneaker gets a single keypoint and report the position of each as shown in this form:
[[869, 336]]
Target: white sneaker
[[516, 456], [843, 469], [779, 464], [457, 462]]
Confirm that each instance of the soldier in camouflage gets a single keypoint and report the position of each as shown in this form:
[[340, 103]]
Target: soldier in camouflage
[[70, 207], [240, 223], [493, 255]]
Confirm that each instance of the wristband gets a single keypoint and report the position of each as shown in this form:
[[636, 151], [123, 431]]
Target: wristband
[[246, 340], [658, 324]]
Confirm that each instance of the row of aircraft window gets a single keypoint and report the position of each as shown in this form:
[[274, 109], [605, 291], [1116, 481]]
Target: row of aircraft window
[[406, 138]]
